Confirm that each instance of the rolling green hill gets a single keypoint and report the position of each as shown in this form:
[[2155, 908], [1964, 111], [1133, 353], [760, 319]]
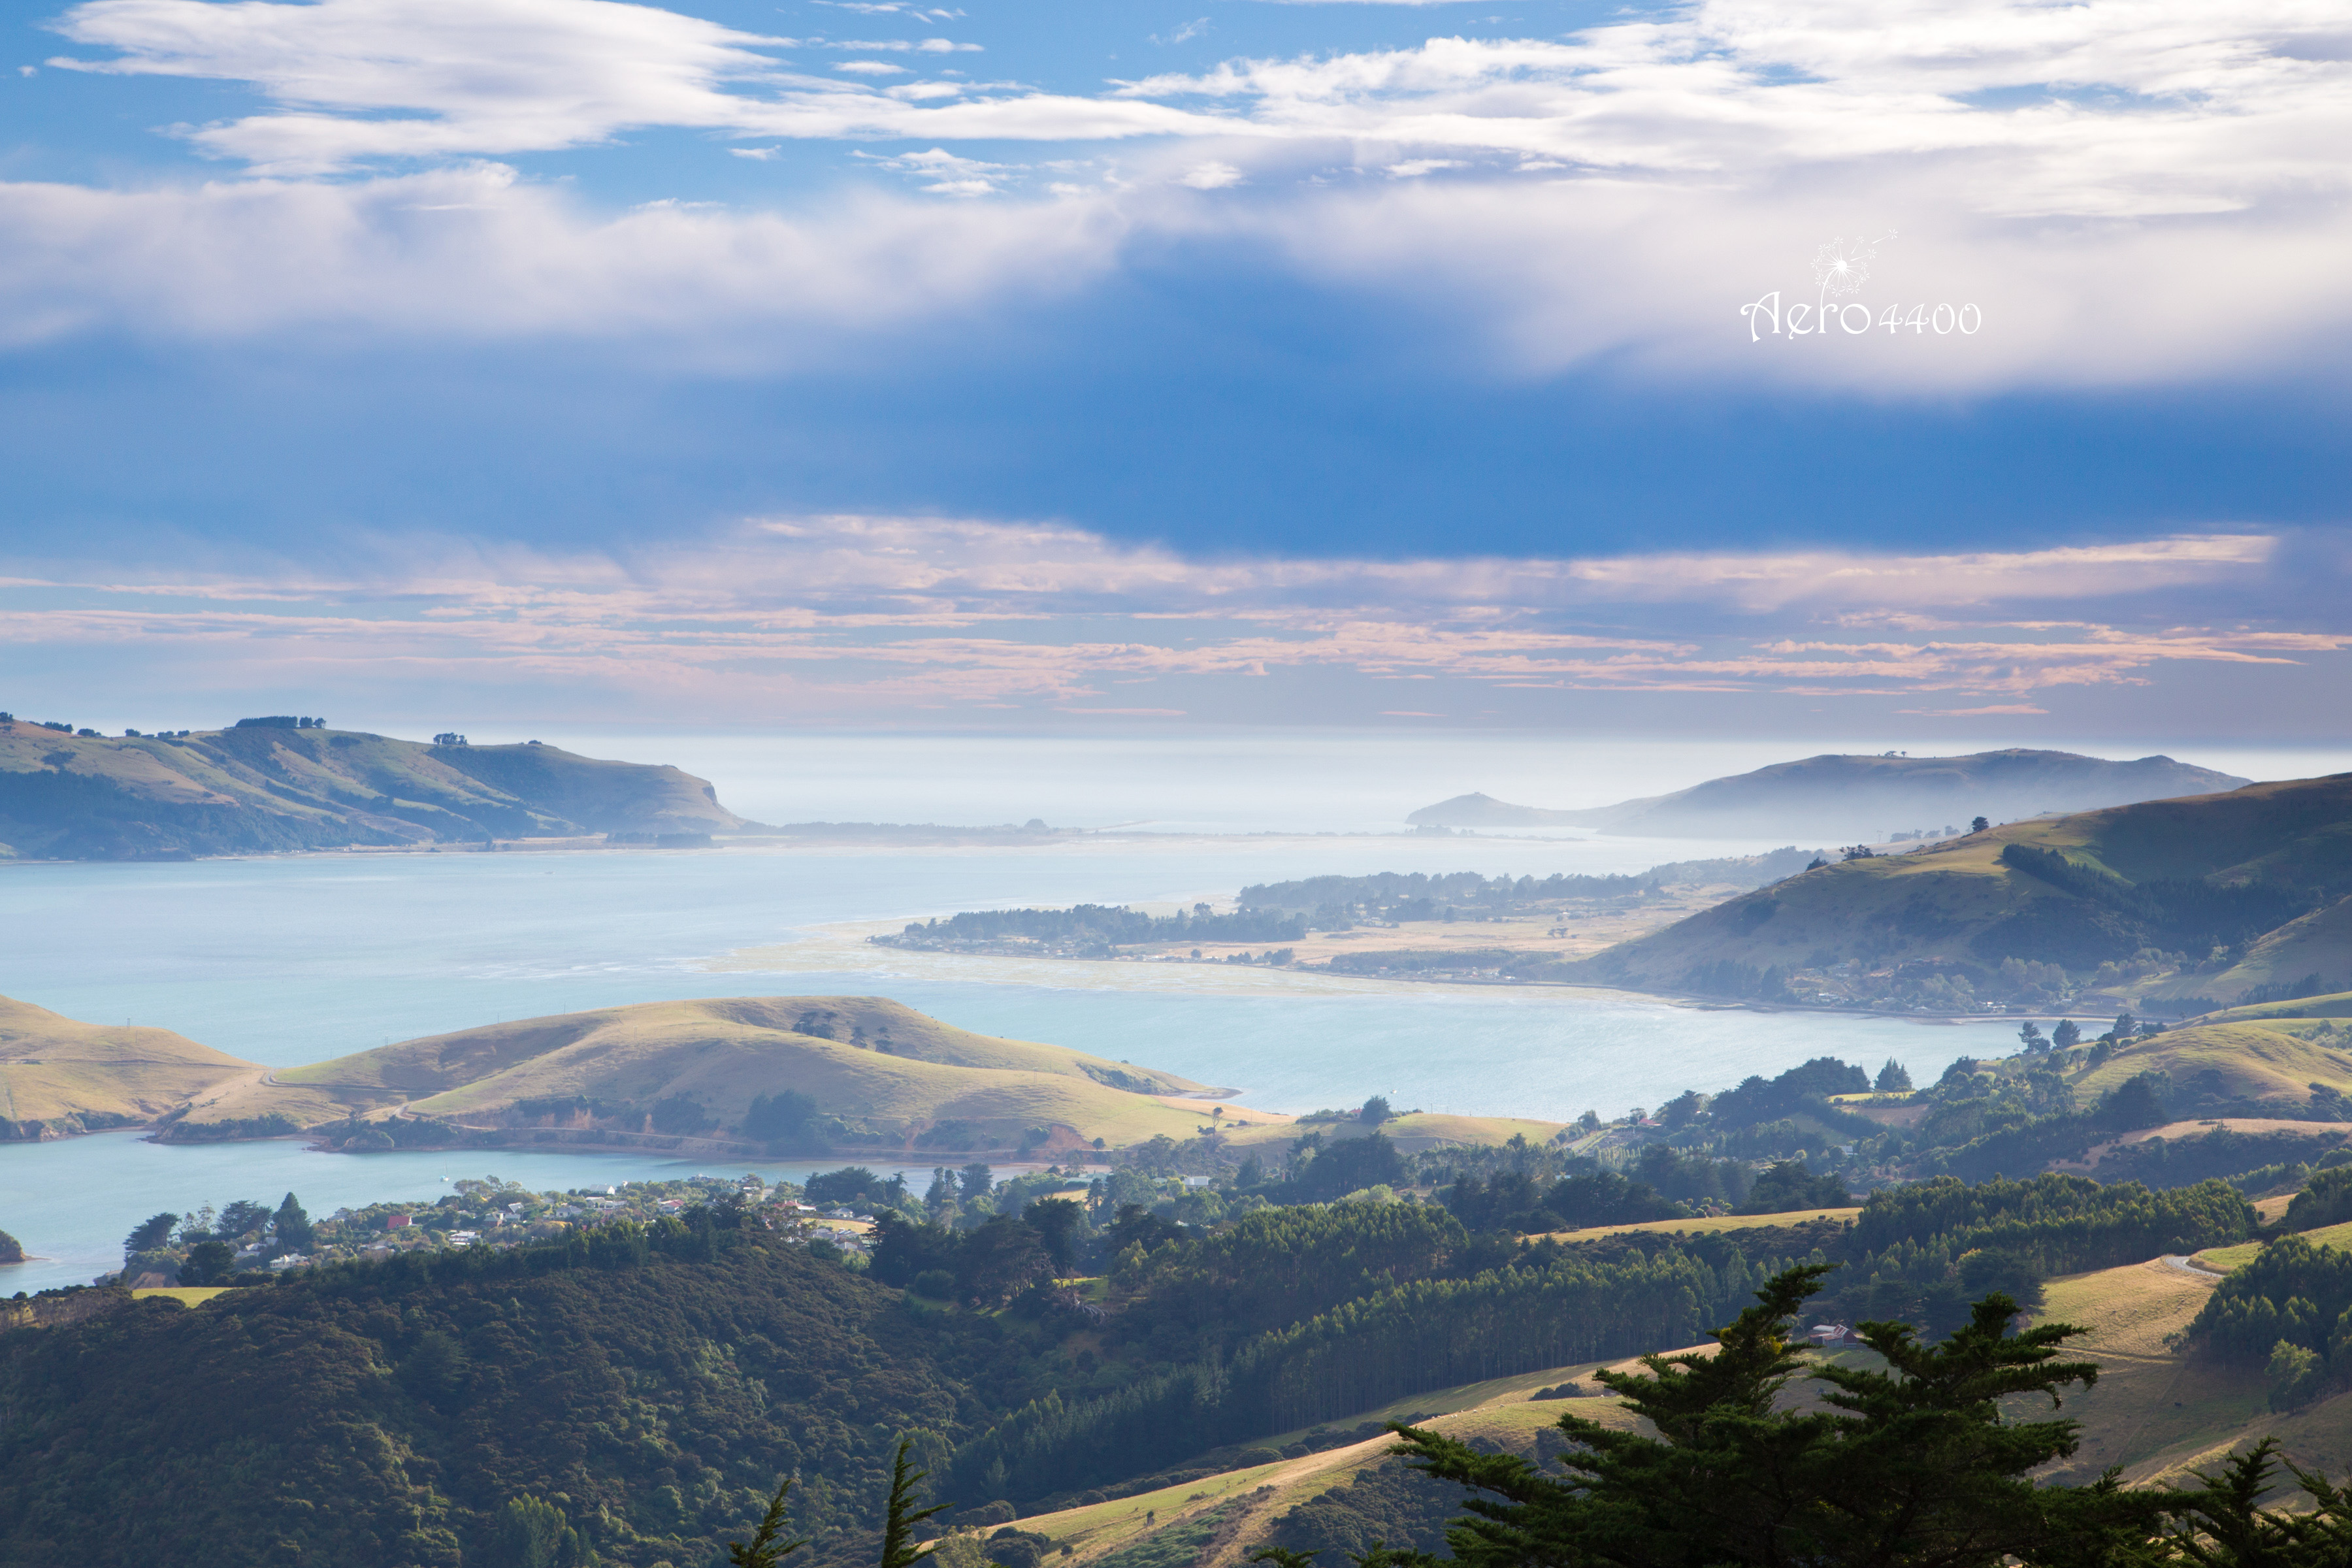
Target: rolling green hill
[[2196, 903], [879, 1073], [270, 786], [60, 1077]]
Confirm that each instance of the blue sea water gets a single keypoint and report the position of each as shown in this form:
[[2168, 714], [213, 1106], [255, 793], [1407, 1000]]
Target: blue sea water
[[294, 959]]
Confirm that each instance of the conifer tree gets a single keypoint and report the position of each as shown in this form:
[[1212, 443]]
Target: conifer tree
[[1912, 1466], [901, 1518], [766, 1549]]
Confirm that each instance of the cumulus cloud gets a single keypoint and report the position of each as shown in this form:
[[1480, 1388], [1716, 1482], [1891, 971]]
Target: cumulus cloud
[[2121, 191], [1210, 176], [367, 80], [476, 251], [2111, 108], [875, 615]]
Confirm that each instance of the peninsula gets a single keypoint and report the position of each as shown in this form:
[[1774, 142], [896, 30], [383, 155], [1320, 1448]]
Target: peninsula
[[285, 783]]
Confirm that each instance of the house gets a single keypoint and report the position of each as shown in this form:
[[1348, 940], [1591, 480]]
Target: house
[[1827, 1334], [395, 1222]]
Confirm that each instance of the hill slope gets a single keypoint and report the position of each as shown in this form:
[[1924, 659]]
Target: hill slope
[[59, 1075], [1861, 797], [878, 1071], [272, 787], [394, 1420], [2199, 900]]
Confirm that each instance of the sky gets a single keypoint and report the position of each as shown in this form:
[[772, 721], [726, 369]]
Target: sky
[[1957, 367]]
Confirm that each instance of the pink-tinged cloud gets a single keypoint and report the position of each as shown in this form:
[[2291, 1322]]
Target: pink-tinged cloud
[[859, 617]]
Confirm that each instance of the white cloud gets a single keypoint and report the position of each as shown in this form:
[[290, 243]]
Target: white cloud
[[475, 252], [1210, 176], [1183, 34], [365, 80], [2130, 191], [870, 67], [903, 46], [944, 172], [2130, 108]]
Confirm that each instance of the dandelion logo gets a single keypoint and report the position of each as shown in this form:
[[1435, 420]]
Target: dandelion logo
[[1842, 270]]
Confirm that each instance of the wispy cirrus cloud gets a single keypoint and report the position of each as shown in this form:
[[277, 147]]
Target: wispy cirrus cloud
[[846, 617]]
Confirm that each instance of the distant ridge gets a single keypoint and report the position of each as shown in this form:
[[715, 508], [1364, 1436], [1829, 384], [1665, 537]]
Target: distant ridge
[[1861, 798], [1485, 811], [266, 784]]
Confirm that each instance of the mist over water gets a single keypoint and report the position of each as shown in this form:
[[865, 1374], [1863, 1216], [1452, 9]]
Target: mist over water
[[1300, 780]]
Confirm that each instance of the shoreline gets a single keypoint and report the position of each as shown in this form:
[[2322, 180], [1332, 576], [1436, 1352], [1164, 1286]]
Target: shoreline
[[841, 949], [946, 838]]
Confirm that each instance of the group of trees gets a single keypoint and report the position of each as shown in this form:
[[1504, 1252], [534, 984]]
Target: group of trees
[[617, 1386], [1663, 1183], [1389, 1300], [2113, 918], [2289, 1309], [1332, 902], [1099, 927], [986, 1266], [201, 1248], [1915, 1464]]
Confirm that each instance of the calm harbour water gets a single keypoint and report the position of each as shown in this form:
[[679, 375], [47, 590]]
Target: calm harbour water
[[291, 960]]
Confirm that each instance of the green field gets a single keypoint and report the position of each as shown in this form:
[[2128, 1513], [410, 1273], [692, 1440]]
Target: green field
[[2227, 1258], [1717, 1222]]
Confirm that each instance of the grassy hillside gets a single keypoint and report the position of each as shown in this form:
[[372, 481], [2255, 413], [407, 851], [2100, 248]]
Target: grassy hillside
[[885, 1074], [2206, 897], [273, 787], [60, 1077], [2278, 1063], [2155, 1411], [2333, 1004]]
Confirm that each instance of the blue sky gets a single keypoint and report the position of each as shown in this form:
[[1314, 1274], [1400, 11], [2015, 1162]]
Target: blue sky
[[826, 364]]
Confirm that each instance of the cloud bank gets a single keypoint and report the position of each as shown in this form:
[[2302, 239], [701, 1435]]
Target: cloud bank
[[892, 620], [2125, 191]]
